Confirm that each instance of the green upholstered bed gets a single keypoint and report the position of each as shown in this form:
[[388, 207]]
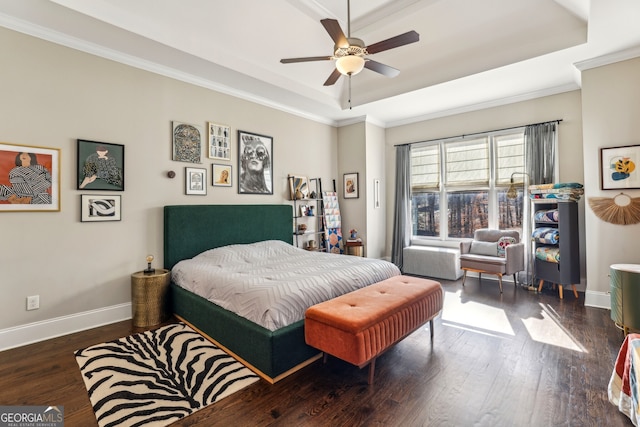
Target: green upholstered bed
[[192, 229]]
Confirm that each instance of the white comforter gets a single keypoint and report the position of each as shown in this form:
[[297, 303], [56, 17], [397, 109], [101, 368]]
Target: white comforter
[[272, 283]]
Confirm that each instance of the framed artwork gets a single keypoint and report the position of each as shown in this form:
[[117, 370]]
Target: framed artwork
[[221, 175], [187, 142], [195, 180], [100, 166], [351, 186], [219, 141], [618, 167], [255, 163], [96, 208], [298, 185], [29, 178]]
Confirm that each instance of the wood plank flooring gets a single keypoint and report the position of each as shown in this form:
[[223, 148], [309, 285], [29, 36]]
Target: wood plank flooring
[[516, 359]]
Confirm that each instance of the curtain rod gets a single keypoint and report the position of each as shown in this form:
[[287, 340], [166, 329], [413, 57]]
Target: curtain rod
[[557, 121]]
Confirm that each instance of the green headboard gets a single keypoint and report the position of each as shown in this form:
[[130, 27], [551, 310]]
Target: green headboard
[[192, 229]]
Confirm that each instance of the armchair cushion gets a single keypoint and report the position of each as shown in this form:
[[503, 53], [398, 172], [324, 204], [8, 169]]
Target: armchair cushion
[[484, 248]]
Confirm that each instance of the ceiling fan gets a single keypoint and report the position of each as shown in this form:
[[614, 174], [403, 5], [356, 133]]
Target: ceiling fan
[[351, 54]]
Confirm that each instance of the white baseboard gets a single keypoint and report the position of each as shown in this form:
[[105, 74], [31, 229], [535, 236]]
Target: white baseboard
[[597, 299], [51, 328]]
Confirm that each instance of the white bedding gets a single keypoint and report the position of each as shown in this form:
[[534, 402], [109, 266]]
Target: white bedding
[[272, 283]]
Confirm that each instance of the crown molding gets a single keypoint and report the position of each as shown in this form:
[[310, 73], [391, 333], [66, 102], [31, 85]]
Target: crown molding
[[610, 58]]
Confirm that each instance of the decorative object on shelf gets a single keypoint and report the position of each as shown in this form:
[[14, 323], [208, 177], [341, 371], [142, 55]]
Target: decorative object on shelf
[[620, 210], [149, 270], [311, 245], [313, 195], [310, 211], [219, 141], [354, 233], [100, 166], [221, 175], [351, 187], [97, 208], [618, 167], [195, 181], [298, 187], [187, 142], [29, 178], [302, 228]]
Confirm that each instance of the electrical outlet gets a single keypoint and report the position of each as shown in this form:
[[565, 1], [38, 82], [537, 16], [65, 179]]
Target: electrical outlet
[[33, 302]]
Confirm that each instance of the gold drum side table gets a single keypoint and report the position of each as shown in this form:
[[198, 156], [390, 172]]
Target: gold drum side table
[[149, 297]]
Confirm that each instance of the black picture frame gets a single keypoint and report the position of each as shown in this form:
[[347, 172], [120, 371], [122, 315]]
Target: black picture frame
[[195, 181], [100, 166], [255, 178], [619, 167], [351, 186]]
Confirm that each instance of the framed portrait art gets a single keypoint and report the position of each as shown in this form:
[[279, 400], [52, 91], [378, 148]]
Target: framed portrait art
[[219, 141], [100, 166], [351, 186], [29, 178], [195, 180], [255, 163], [221, 175], [618, 167], [96, 208]]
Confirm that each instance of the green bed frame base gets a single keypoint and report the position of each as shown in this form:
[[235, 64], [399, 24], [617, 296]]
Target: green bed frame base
[[192, 229], [271, 354]]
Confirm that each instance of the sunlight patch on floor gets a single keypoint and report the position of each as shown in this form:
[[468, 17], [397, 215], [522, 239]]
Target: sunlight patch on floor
[[550, 331], [474, 316]]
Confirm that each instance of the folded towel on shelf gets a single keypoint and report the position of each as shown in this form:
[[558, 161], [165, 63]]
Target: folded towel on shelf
[[546, 235], [549, 215], [548, 253], [559, 191]]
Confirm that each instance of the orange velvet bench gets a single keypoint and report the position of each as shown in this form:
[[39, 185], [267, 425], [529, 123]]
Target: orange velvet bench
[[359, 326]]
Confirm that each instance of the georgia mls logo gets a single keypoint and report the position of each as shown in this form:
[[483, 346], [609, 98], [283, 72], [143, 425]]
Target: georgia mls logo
[[31, 416]]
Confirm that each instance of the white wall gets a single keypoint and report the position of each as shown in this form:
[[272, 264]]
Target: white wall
[[51, 96], [610, 113], [376, 217], [352, 159]]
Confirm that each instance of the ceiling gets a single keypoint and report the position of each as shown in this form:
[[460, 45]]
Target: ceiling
[[471, 54]]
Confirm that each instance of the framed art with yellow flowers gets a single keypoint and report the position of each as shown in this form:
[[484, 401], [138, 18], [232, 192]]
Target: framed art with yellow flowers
[[618, 167]]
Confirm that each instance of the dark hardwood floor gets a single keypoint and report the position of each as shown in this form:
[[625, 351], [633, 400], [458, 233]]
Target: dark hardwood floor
[[516, 359]]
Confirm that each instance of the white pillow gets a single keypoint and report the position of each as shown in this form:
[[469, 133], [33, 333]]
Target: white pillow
[[484, 248]]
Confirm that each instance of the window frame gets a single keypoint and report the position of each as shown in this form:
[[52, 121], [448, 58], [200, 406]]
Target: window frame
[[493, 188]]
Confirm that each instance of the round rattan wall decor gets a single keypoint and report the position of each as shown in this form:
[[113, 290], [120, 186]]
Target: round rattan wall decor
[[621, 209]]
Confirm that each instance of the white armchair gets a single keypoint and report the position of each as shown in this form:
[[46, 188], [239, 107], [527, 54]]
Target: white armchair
[[492, 251]]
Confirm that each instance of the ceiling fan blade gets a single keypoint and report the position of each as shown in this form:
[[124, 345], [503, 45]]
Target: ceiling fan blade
[[333, 78], [307, 59], [333, 28], [381, 68], [393, 42]]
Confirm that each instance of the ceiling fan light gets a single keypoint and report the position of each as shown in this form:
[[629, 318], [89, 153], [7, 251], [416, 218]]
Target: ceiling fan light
[[350, 65]]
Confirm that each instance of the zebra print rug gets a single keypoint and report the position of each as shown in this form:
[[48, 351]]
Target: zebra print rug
[[157, 377]]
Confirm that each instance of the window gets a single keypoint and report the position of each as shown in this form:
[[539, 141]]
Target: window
[[467, 178]]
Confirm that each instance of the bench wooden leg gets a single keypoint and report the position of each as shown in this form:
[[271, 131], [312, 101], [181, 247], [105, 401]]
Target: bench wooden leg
[[372, 369]]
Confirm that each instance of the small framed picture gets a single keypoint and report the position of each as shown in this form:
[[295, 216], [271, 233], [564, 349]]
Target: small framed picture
[[618, 167], [195, 181], [219, 141], [100, 166], [29, 178], [351, 186], [187, 142], [221, 175], [97, 208]]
